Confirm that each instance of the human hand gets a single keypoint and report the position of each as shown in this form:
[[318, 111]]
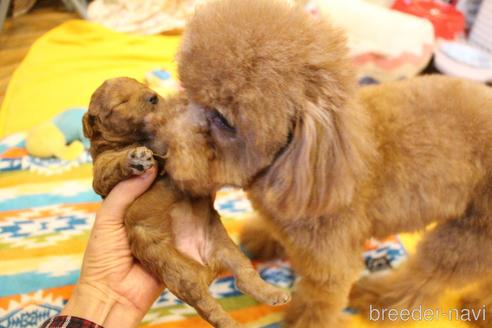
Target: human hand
[[114, 290]]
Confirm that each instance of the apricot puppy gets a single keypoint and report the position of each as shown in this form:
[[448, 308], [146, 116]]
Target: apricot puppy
[[165, 223]]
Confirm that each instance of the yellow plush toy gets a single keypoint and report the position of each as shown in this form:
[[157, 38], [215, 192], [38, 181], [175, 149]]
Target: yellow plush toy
[[61, 137]]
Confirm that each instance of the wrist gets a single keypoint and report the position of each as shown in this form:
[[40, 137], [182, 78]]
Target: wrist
[[99, 304], [123, 316], [90, 302]]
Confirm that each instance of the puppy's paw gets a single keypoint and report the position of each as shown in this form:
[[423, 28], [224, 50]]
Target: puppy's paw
[[262, 291], [140, 160], [278, 297]]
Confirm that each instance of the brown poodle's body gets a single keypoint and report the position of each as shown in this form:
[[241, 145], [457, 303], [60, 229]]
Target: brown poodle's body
[[432, 164], [165, 222], [327, 165]]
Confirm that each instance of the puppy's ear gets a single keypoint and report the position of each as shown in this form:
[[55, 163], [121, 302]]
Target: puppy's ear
[[317, 172], [88, 125]]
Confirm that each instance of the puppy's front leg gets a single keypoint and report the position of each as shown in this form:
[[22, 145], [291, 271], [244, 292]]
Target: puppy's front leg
[[112, 167], [327, 264]]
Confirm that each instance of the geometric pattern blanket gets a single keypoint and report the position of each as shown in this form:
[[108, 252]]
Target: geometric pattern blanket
[[47, 208]]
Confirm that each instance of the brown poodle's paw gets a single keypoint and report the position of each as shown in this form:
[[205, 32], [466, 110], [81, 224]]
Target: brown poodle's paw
[[480, 313], [258, 242], [140, 160], [381, 293], [313, 315], [365, 294]]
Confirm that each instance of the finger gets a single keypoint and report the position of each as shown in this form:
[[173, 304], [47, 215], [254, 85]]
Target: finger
[[114, 206]]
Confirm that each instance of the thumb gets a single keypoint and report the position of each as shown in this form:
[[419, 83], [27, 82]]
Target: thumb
[[123, 194]]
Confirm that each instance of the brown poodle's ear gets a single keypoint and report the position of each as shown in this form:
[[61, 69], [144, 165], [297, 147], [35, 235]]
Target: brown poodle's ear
[[87, 125], [317, 172]]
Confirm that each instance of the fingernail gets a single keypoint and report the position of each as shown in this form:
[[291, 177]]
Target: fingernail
[[145, 175]]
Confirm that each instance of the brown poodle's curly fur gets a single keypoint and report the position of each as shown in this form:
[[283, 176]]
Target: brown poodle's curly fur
[[177, 237], [328, 165]]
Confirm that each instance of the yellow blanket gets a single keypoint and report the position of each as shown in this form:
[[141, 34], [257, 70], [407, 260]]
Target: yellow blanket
[[64, 66]]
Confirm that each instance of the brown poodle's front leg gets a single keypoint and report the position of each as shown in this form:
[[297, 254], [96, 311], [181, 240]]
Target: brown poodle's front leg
[[257, 238], [327, 267], [112, 167]]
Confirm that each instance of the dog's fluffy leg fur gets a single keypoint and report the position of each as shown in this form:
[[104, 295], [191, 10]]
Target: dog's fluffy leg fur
[[446, 257], [321, 293], [316, 301], [258, 240]]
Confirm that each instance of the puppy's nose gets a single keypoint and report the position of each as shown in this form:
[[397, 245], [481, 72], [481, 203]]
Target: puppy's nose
[[153, 99]]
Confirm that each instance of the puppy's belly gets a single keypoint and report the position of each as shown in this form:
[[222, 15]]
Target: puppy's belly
[[190, 232]]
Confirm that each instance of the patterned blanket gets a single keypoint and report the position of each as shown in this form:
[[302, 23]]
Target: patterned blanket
[[47, 208]]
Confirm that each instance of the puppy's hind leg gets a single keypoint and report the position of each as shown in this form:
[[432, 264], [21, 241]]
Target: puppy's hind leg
[[189, 281], [450, 255], [247, 278], [152, 243], [184, 277]]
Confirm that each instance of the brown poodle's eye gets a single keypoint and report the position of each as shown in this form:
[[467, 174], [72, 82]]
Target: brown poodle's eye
[[221, 122], [153, 99]]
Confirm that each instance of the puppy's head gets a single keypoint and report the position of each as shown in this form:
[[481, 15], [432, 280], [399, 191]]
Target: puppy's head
[[118, 108], [269, 86]]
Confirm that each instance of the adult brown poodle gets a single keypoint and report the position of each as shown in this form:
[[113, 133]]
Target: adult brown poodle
[[328, 165]]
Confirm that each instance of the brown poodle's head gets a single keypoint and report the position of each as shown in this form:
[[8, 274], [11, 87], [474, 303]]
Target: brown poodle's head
[[268, 86], [118, 108]]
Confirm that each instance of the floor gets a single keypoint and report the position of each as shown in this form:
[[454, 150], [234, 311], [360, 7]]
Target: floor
[[19, 34]]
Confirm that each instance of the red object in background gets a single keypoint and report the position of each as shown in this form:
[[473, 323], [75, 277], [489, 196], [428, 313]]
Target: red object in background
[[449, 23]]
